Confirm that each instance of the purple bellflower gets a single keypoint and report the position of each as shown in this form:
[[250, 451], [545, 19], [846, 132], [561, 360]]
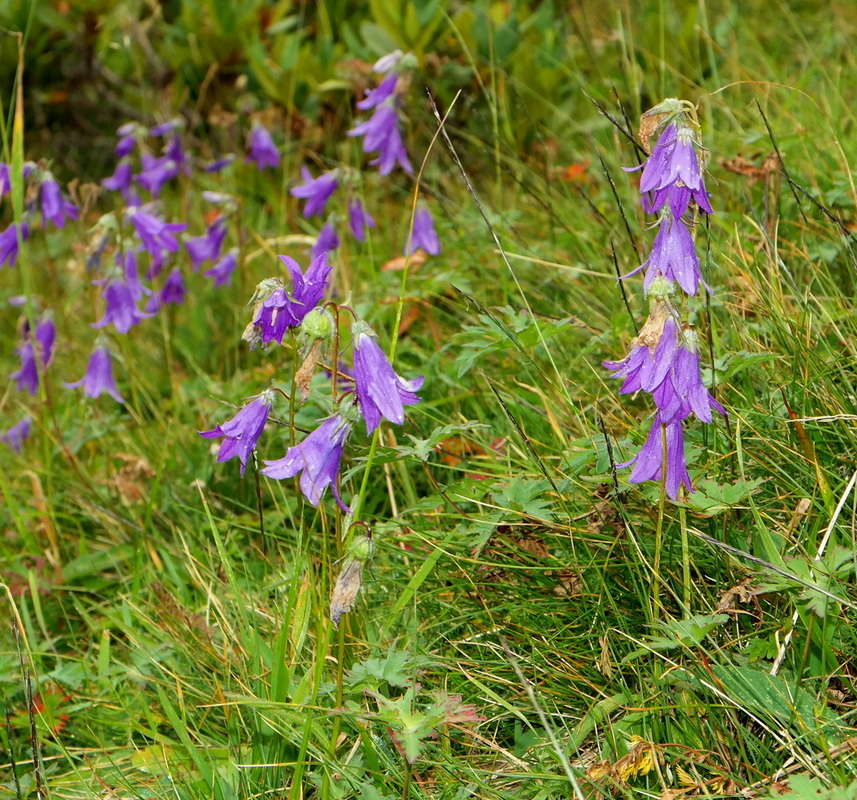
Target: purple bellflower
[[173, 292], [316, 191], [46, 334], [380, 391], [208, 246], [99, 375], [18, 433], [122, 311], [120, 180], [649, 462], [27, 374], [262, 150], [647, 366], [223, 269], [9, 243], [425, 236], [318, 456], [327, 240], [221, 163], [156, 172], [359, 219], [54, 206], [673, 256], [381, 133], [128, 136], [242, 432], [155, 234], [382, 92], [5, 179]]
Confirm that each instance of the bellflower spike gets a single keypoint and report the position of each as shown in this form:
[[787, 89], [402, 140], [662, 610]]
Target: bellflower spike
[[242, 432], [99, 376], [155, 234], [223, 269], [380, 391], [207, 247], [18, 433], [9, 243], [316, 191], [425, 236], [648, 463], [359, 219], [54, 206], [318, 457], [262, 150], [28, 373]]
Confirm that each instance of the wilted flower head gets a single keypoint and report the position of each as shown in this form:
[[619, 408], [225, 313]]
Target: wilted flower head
[[262, 150], [425, 236], [54, 206], [242, 432], [316, 191], [18, 433], [317, 457], [99, 375], [380, 391]]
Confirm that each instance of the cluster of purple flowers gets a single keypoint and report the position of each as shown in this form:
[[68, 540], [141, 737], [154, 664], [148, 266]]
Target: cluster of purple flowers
[[378, 391], [664, 357]]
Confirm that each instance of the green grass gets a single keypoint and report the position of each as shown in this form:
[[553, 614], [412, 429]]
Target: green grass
[[507, 642]]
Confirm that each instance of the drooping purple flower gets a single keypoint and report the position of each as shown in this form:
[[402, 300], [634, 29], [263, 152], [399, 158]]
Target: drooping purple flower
[[381, 133], [220, 163], [274, 315], [425, 236], [673, 256], [648, 463], [359, 219], [262, 150], [98, 377], [156, 172], [175, 152], [242, 432], [168, 127], [27, 374], [173, 292], [9, 243], [316, 191], [120, 180], [683, 393], [5, 179], [18, 433], [46, 334], [383, 91], [327, 240], [127, 262], [380, 391], [318, 456], [207, 247], [128, 135], [54, 206], [673, 172], [122, 311], [646, 367], [223, 269], [155, 234]]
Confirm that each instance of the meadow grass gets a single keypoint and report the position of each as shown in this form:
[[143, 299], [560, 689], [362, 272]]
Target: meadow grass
[[518, 634]]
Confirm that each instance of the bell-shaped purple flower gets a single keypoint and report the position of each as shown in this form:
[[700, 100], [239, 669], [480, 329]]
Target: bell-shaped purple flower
[[173, 292], [380, 391], [5, 179], [155, 234], [262, 150], [359, 219], [99, 376], [318, 457], [381, 133], [384, 90], [223, 269], [9, 243], [316, 191], [46, 334], [27, 374], [242, 432], [156, 172], [425, 236], [54, 206], [18, 433], [128, 136], [647, 366], [122, 311], [120, 180], [327, 240], [220, 164], [207, 247], [649, 462]]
